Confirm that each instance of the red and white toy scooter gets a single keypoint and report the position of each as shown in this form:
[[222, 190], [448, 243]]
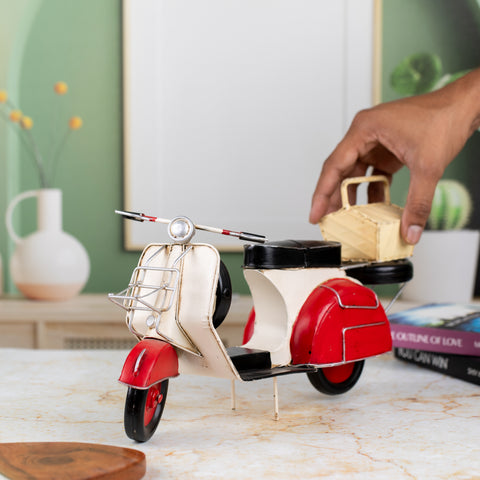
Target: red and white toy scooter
[[311, 314]]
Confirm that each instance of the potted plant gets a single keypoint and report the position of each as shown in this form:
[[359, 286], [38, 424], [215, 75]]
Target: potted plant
[[445, 259]]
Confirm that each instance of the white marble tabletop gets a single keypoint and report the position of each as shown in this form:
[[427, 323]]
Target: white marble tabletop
[[399, 421]]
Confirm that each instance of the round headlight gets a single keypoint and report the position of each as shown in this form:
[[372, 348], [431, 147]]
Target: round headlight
[[181, 229]]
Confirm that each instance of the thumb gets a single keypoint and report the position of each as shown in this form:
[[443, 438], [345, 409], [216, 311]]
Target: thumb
[[417, 208]]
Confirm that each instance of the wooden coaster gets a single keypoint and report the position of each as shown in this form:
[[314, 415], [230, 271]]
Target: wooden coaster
[[72, 461]]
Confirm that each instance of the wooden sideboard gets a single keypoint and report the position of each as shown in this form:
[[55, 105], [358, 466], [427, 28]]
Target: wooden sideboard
[[88, 321]]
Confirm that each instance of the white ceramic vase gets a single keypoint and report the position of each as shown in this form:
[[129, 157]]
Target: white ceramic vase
[[48, 264], [444, 267]]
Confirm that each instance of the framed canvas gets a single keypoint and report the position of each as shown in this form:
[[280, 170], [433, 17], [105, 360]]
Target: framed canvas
[[231, 106]]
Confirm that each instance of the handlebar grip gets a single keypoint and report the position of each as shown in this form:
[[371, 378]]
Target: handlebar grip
[[137, 216], [252, 237]]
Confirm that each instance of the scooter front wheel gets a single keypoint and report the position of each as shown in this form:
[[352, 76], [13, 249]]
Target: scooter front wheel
[[336, 380], [143, 410]]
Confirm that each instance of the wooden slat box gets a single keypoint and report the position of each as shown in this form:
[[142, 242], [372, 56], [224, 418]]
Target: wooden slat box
[[368, 232]]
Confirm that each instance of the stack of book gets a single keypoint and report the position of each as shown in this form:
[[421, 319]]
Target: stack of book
[[441, 337]]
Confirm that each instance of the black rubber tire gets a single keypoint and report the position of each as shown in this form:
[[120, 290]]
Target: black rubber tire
[[224, 296], [138, 406], [320, 381]]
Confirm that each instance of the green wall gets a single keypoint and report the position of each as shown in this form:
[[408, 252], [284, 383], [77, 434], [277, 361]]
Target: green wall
[[449, 29], [79, 42]]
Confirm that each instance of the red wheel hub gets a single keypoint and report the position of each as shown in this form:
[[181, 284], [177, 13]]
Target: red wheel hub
[[338, 374], [154, 397]]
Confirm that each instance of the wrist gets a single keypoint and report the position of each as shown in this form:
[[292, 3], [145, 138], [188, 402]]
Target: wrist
[[467, 91]]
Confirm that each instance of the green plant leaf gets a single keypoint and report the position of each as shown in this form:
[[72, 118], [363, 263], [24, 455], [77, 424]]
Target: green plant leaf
[[417, 73]]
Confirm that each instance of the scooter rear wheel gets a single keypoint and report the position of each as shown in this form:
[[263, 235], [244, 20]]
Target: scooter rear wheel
[[143, 410], [336, 380]]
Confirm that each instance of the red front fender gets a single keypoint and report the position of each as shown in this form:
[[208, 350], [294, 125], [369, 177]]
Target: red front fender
[[150, 361]]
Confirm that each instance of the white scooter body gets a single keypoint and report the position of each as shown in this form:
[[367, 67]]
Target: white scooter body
[[309, 317], [180, 311]]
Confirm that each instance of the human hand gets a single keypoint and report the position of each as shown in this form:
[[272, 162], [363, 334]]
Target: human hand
[[423, 133]]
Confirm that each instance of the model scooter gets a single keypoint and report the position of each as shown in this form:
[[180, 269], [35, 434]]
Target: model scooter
[[311, 315]]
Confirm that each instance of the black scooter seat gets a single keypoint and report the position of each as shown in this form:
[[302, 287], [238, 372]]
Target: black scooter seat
[[292, 254]]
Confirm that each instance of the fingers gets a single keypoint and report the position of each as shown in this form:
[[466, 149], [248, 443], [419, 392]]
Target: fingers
[[376, 190], [417, 207], [342, 163], [328, 183]]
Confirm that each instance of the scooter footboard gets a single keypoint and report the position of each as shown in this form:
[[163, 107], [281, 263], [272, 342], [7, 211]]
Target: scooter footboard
[[149, 362]]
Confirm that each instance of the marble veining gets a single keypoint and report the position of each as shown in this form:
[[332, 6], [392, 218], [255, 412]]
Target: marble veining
[[399, 421]]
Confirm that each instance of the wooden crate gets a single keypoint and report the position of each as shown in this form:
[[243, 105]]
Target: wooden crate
[[368, 232]]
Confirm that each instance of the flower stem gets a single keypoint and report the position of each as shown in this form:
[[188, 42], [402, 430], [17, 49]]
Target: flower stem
[[30, 146], [56, 154], [38, 160], [54, 129]]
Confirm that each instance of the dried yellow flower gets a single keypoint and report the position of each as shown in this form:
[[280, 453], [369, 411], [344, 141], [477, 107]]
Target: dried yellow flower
[[15, 116], [60, 88], [75, 123], [26, 123], [11, 113]]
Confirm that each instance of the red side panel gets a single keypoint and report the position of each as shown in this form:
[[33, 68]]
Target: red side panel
[[315, 309], [149, 362], [248, 331], [328, 330]]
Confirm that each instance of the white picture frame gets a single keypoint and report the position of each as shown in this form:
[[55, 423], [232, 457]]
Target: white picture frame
[[231, 106]]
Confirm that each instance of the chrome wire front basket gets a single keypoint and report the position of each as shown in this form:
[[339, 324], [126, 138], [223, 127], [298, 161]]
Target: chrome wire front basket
[[141, 296], [155, 297]]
